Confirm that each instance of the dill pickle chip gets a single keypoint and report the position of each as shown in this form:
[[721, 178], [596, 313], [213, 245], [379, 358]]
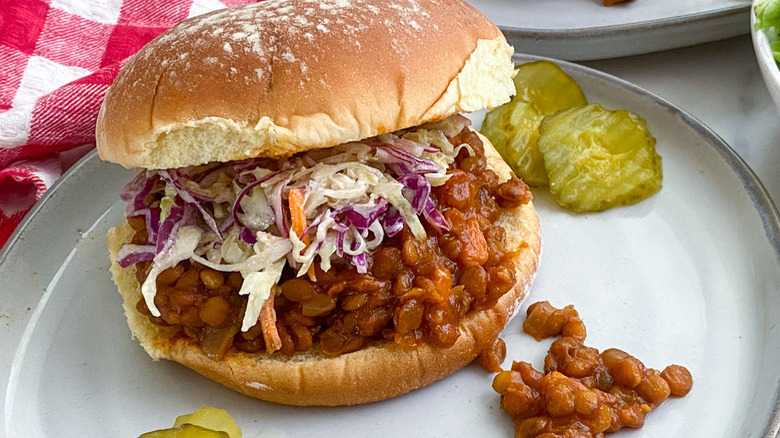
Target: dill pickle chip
[[513, 129], [186, 431], [598, 159], [547, 87], [206, 422], [211, 418]]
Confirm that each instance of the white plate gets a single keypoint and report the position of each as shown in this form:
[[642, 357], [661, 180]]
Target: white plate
[[766, 62], [585, 29], [689, 276]]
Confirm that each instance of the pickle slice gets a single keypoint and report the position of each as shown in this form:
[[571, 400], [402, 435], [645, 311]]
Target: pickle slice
[[542, 89], [206, 422], [547, 87], [186, 431], [211, 418], [513, 129], [598, 159]]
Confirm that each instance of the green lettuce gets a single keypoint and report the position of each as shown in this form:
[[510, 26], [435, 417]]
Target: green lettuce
[[768, 20]]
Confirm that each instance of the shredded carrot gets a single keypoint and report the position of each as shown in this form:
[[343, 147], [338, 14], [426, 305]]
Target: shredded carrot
[[268, 323], [296, 199]]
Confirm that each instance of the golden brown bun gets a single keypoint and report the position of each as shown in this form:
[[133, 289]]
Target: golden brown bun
[[374, 373], [278, 77]]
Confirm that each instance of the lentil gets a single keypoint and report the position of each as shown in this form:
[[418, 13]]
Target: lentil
[[491, 357]]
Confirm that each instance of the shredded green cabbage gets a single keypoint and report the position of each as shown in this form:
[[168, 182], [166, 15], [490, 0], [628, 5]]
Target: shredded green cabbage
[[182, 248]]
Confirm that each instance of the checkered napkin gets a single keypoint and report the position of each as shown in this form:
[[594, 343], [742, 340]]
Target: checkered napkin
[[57, 58]]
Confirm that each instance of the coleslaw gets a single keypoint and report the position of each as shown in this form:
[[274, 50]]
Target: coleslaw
[[258, 216]]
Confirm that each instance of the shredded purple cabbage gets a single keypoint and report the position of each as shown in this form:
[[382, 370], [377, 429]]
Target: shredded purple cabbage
[[362, 217], [406, 162], [392, 222], [131, 254], [189, 197], [417, 190], [434, 217], [247, 236]]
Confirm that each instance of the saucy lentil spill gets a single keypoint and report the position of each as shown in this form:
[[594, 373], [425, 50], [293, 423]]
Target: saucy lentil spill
[[582, 393], [415, 291]]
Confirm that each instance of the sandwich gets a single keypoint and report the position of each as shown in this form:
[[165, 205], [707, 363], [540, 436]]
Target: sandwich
[[313, 221]]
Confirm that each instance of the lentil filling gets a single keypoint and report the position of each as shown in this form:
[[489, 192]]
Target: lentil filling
[[582, 393], [414, 291]]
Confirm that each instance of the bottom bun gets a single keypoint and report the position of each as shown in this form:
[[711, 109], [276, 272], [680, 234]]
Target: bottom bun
[[380, 371]]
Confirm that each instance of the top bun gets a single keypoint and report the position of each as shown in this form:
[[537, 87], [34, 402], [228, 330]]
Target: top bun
[[279, 77]]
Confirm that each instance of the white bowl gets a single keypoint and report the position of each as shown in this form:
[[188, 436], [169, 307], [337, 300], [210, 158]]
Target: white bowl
[[766, 62]]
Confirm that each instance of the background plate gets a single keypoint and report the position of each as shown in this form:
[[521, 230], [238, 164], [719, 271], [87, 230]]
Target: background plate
[[585, 29], [688, 276]]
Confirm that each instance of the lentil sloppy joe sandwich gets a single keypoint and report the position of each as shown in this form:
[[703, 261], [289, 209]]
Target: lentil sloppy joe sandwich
[[313, 221]]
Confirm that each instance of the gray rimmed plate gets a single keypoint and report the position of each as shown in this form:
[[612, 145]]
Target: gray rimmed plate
[[688, 276], [586, 30]]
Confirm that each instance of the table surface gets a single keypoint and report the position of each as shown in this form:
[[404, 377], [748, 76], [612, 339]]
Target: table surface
[[719, 84]]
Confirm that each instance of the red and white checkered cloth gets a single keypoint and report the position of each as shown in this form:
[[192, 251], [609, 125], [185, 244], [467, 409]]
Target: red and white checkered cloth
[[57, 58]]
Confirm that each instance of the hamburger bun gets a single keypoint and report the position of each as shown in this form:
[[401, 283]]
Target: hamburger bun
[[276, 78], [378, 372], [279, 77]]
